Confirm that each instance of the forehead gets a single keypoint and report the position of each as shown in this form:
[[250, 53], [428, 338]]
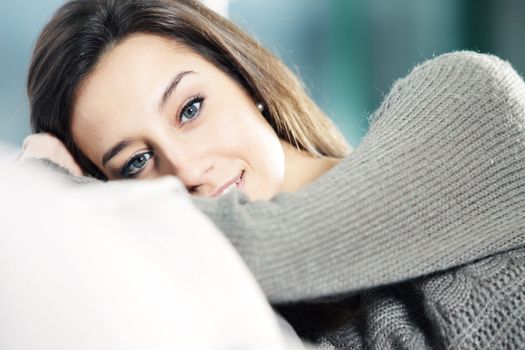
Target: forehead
[[136, 65], [129, 80]]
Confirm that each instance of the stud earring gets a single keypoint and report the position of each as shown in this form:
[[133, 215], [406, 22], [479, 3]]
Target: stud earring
[[260, 107]]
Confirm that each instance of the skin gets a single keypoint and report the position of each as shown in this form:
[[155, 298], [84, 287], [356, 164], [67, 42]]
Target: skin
[[208, 132]]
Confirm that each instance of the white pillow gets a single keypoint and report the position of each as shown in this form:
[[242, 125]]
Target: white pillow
[[122, 265]]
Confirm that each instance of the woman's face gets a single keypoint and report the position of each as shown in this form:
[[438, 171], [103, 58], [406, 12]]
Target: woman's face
[[151, 107]]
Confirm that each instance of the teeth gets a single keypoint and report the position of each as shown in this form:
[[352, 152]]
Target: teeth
[[228, 189]]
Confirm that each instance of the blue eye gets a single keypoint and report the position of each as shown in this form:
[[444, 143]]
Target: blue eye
[[191, 109], [135, 164]]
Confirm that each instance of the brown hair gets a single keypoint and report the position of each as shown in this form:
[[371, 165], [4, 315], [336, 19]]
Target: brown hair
[[81, 31]]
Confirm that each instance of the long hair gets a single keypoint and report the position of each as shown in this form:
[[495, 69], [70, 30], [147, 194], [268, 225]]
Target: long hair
[[81, 31]]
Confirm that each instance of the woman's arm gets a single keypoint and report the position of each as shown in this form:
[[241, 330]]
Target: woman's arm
[[438, 181]]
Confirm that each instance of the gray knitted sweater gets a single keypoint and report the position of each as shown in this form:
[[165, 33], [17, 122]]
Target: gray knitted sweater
[[417, 239]]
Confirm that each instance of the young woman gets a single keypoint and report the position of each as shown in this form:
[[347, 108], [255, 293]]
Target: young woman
[[413, 240]]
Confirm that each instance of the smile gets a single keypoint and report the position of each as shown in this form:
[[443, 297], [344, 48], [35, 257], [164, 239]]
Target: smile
[[230, 185]]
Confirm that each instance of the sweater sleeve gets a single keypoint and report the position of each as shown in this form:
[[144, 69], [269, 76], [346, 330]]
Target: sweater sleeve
[[438, 181]]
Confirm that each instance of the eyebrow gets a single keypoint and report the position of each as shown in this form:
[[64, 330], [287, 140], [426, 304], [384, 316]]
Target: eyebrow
[[171, 88], [113, 151], [119, 146]]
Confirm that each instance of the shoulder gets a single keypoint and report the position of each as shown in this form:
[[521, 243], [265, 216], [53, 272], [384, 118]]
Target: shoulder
[[487, 63], [485, 73], [460, 84], [468, 66]]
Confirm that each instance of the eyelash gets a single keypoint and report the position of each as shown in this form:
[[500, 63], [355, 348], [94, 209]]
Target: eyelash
[[124, 172], [194, 100]]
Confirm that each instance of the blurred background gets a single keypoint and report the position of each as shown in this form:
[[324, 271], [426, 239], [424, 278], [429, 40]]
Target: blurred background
[[347, 52]]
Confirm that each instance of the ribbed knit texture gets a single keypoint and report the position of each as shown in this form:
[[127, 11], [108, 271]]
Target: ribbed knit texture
[[417, 239], [425, 220]]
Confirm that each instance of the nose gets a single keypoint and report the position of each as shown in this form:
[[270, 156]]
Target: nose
[[191, 169]]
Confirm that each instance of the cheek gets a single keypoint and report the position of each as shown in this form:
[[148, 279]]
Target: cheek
[[269, 155], [245, 137], [259, 147]]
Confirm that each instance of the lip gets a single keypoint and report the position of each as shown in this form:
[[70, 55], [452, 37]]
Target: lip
[[221, 189]]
